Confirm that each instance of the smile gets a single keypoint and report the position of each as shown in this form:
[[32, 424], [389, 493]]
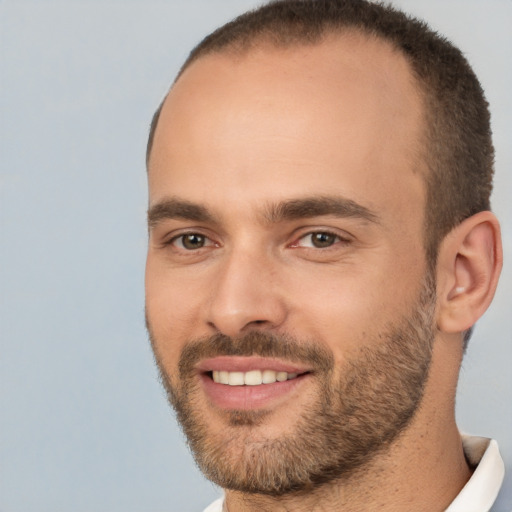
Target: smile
[[250, 382], [251, 378]]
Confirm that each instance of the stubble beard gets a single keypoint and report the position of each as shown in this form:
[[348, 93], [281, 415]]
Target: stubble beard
[[355, 417]]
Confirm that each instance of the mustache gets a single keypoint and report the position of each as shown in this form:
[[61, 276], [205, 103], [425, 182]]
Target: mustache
[[256, 343]]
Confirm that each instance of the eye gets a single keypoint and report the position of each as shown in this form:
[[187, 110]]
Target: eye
[[191, 241], [318, 240]]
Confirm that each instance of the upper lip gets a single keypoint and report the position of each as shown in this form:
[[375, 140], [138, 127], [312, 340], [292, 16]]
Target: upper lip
[[248, 363]]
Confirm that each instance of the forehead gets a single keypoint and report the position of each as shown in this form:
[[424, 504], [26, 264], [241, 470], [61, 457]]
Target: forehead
[[344, 115]]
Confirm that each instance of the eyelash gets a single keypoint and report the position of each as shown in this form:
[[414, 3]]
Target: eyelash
[[337, 239], [182, 237]]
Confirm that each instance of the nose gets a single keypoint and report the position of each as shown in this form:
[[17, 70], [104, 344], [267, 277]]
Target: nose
[[247, 295]]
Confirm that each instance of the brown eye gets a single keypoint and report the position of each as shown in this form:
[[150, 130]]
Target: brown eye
[[191, 241], [322, 240], [319, 240]]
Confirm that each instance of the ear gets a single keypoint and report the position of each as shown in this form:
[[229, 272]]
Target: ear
[[469, 264]]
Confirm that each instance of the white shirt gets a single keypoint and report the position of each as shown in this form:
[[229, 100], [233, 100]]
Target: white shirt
[[482, 488]]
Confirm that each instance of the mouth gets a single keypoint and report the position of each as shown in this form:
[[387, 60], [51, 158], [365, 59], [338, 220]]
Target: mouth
[[252, 377], [244, 383]]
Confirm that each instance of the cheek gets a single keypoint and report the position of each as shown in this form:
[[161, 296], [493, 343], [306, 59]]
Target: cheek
[[350, 308], [170, 311], [339, 320]]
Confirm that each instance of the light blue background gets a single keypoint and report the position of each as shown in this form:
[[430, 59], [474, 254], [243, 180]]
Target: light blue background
[[84, 425]]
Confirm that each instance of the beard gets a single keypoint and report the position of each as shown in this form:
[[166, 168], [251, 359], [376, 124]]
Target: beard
[[355, 415]]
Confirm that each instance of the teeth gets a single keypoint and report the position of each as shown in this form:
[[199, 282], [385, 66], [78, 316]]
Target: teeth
[[268, 376], [251, 378], [236, 378]]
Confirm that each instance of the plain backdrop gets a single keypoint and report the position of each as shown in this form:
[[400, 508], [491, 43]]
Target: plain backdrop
[[84, 424]]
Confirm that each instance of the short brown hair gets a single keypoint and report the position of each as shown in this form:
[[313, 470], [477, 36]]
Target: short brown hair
[[458, 150]]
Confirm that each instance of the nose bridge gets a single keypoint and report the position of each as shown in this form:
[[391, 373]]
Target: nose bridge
[[246, 293]]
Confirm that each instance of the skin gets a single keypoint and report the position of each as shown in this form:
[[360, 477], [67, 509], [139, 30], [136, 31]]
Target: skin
[[241, 134]]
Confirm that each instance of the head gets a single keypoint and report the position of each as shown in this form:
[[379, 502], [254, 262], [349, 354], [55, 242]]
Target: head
[[317, 185], [456, 148]]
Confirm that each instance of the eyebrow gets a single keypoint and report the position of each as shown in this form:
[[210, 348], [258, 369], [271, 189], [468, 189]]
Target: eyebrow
[[173, 208], [308, 207], [318, 206]]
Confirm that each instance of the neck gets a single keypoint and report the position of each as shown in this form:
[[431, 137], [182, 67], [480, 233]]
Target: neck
[[423, 470], [419, 484]]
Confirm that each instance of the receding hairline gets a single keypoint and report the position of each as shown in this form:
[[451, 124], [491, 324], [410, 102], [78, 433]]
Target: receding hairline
[[264, 42]]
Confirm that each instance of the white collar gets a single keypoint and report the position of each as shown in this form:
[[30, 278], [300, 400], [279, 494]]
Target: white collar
[[482, 488]]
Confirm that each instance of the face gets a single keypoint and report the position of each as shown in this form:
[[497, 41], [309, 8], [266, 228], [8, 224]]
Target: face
[[287, 297]]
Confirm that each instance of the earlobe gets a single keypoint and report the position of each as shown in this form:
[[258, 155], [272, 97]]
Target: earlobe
[[469, 264]]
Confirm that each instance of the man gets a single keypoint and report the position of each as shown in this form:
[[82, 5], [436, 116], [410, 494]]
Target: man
[[320, 247]]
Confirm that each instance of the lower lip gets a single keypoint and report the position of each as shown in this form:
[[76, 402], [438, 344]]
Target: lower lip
[[250, 397]]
